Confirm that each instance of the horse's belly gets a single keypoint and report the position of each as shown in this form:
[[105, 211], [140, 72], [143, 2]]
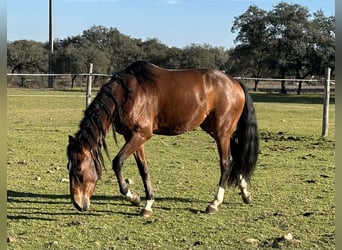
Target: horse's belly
[[177, 124]]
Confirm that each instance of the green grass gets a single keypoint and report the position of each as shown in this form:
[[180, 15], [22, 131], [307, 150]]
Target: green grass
[[293, 185]]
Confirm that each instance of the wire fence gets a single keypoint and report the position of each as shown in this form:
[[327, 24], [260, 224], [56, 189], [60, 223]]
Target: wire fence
[[80, 81], [89, 81], [292, 85], [60, 81]]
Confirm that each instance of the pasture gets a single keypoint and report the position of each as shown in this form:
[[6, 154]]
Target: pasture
[[292, 187]]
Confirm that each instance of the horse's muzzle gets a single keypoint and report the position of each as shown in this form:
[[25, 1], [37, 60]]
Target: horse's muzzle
[[82, 205]]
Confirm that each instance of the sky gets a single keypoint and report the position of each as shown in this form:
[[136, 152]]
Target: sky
[[175, 23]]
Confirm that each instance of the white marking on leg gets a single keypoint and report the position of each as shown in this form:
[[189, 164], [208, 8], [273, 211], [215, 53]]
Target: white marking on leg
[[220, 194], [218, 198], [243, 187], [148, 205], [129, 195], [243, 184]]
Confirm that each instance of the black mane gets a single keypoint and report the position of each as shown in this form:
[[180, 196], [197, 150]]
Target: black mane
[[141, 70], [92, 132]]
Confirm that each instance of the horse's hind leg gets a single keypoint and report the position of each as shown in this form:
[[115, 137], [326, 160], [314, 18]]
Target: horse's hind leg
[[140, 159], [246, 196]]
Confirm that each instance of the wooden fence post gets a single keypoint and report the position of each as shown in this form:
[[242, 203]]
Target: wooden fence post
[[326, 100], [90, 79]]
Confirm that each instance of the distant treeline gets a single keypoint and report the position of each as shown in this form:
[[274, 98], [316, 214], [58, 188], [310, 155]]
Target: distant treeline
[[286, 42]]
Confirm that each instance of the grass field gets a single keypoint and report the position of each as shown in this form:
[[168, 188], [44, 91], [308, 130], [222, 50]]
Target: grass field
[[292, 187]]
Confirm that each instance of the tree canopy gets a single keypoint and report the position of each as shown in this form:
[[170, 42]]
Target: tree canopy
[[286, 42]]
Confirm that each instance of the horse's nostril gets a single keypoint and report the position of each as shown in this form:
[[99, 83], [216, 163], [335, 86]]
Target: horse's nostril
[[78, 207], [81, 204], [85, 205]]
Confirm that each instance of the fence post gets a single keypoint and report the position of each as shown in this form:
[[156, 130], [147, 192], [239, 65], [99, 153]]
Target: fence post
[[325, 123], [90, 79], [50, 78]]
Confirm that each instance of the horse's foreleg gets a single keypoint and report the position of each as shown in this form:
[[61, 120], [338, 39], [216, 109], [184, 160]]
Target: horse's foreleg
[[144, 173], [124, 190], [131, 146], [218, 200]]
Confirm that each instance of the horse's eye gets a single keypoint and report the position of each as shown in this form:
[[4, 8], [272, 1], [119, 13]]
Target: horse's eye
[[76, 168]]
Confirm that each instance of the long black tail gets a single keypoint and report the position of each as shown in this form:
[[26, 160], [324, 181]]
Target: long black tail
[[245, 142]]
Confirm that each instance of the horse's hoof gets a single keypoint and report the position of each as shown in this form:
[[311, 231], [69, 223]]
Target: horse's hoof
[[211, 210], [135, 199], [146, 213], [247, 198]]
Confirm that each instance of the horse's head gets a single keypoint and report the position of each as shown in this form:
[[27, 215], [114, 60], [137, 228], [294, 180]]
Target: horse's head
[[83, 173]]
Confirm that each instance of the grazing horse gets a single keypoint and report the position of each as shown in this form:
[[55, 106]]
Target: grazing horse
[[145, 99]]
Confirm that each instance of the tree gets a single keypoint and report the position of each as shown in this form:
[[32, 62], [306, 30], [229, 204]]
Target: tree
[[252, 51], [25, 56], [154, 51], [197, 56], [68, 60], [75, 59], [284, 42], [114, 48], [122, 50], [173, 58], [289, 30], [221, 57], [322, 47]]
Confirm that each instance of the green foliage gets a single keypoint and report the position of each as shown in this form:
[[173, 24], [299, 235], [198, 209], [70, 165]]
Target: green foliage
[[292, 187], [285, 42], [322, 47], [25, 56], [250, 54]]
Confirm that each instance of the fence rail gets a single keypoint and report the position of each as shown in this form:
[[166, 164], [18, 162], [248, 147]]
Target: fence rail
[[325, 86], [60, 81], [108, 75], [67, 81], [320, 80], [38, 74]]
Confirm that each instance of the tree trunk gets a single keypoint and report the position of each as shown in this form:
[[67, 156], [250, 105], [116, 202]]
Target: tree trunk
[[73, 78], [283, 88], [283, 83], [299, 90], [256, 85], [50, 81], [298, 76], [23, 81]]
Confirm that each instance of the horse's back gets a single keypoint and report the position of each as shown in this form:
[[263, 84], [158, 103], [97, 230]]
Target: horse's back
[[186, 97], [198, 87]]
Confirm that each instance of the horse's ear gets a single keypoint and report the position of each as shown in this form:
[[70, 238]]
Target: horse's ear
[[71, 140]]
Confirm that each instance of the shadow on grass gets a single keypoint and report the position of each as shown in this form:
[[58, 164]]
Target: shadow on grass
[[37, 198], [45, 207], [23, 205], [52, 198], [290, 98]]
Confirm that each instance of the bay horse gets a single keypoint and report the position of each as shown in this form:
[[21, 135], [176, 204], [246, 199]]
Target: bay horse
[[144, 99]]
